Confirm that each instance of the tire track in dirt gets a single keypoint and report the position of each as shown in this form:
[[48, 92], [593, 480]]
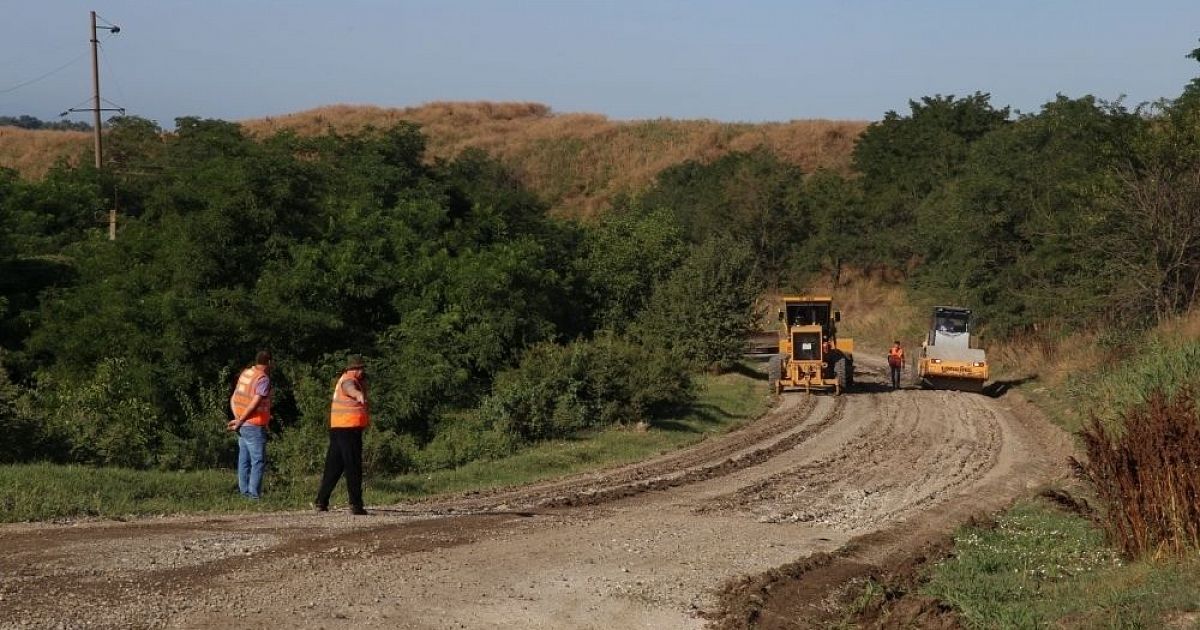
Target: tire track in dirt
[[781, 428], [946, 442]]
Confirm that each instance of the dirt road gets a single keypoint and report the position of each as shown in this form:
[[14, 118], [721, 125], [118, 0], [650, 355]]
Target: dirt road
[[642, 546]]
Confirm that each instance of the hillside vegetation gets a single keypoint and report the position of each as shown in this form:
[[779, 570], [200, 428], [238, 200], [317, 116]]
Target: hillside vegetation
[[576, 162], [31, 152]]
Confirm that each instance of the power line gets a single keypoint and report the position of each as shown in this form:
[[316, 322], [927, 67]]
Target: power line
[[44, 76], [112, 74]]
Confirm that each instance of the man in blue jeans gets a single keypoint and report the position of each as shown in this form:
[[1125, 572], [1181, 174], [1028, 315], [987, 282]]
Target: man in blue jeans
[[251, 405]]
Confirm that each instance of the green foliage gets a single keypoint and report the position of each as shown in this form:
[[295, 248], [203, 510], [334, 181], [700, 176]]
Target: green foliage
[[1192, 90], [1040, 567], [311, 248], [624, 258], [200, 439], [704, 310], [1021, 232], [466, 437], [904, 159], [840, 230], [1164, 365], [559, 390], [25, 435], [753, 197], [26, 121], [106, 419]]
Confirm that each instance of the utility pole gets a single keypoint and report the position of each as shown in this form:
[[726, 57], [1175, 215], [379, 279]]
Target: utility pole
[[96, 109], [112, 223], [112, 212]]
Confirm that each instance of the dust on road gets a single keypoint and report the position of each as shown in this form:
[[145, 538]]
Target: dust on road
[[646, 545]]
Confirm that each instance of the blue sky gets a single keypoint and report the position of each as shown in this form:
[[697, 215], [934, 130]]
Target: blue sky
[[731, 61]]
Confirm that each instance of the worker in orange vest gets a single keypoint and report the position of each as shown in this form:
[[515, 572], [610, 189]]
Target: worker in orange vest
[[251, 405], [348, 418], [896, 363]]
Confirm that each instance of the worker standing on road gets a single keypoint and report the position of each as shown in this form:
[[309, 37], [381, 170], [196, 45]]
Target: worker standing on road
[[896, 363], [251, 405], [348, 418]]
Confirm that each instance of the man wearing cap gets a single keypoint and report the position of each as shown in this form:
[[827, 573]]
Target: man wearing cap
[[348, 418]]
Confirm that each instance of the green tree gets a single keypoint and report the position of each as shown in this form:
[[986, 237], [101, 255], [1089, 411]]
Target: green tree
[[704, 310], [903, 159], [1019, 234], [750, 196], [841, 235], [623, 258]]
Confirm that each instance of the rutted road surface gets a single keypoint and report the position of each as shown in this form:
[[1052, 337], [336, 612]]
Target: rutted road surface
[[641, 546]]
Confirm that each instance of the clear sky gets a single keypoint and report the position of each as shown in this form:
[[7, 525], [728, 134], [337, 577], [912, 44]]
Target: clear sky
[[731, 61]]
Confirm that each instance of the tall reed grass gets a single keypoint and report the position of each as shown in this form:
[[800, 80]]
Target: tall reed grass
[[1147, 475]]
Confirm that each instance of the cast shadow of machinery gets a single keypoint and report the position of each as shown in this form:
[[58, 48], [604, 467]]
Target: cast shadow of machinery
[[872, 387], [996, 389], [740, 368]]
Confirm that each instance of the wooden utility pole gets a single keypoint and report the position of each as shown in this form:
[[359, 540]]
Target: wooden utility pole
[[96, 99], [112, 213]]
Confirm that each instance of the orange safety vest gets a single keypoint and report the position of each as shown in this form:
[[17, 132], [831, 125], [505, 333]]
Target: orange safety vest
[[896, 357], [345, 412], [243, 393]]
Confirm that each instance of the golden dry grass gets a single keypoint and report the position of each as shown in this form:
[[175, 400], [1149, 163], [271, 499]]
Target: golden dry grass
[[577, 162], [1055, 361], [876, 309], [32, 152]]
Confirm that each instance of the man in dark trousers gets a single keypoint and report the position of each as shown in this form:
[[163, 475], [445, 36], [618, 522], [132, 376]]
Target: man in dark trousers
[[348, 418], [896, 363]]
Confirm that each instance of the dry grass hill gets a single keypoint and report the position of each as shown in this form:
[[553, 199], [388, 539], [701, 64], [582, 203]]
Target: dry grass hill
[[31, 153], [577, 162]]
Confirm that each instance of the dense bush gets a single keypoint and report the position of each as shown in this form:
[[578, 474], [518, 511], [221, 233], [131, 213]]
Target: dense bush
[[558, 390], [704, 310], [104, 418], [624, 257], [25, 436], [464, 437]]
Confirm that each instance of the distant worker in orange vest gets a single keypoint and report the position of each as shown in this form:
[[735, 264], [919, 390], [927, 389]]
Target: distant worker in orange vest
[[251, 405], [348, 418], [896, 363]]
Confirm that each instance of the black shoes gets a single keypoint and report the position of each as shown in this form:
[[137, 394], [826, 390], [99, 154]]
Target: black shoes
[[356, 510]]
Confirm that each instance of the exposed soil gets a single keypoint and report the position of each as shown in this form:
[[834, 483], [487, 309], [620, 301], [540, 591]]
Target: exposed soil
[[761, 526]]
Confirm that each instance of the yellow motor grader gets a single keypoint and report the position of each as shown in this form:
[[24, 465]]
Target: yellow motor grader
[[811, 355], [947, 359]]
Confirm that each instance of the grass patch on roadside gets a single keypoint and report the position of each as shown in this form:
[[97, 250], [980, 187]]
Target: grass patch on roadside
[[39, 492], [1039, 566]]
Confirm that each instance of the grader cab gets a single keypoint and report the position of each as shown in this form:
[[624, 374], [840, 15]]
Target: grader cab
[[948, 359], [811, 355]]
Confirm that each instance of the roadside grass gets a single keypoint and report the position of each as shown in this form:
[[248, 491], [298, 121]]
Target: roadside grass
[[40, 492], [1039, 566], [1103, 374]]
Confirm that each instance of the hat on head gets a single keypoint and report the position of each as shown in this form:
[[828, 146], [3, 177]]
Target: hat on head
[[355, 363]]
